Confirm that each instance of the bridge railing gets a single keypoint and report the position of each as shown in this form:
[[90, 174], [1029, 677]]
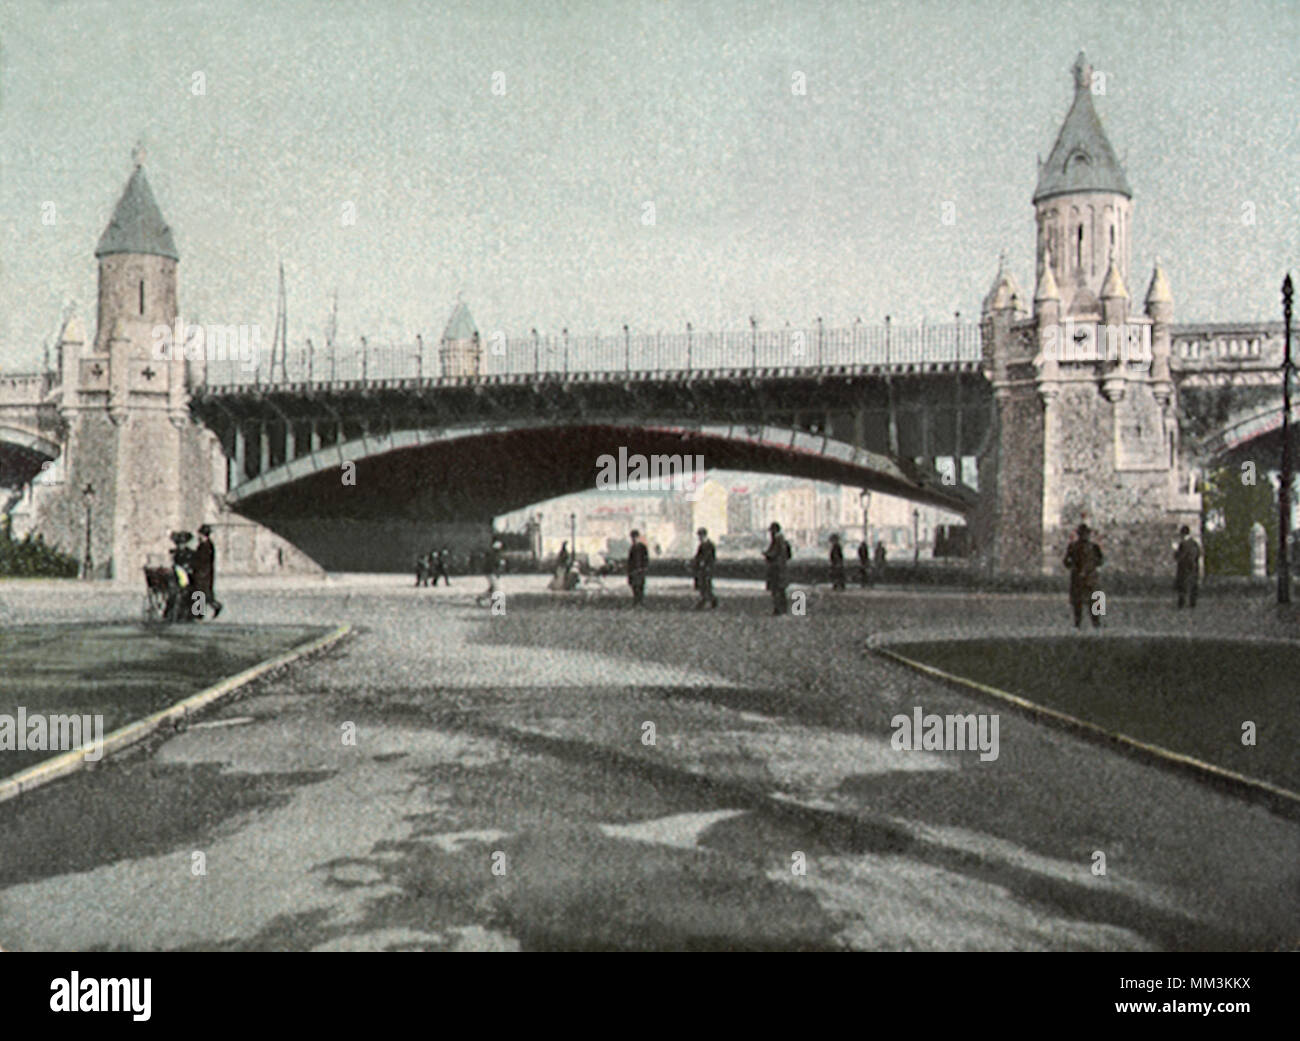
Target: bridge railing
[[639, 354]]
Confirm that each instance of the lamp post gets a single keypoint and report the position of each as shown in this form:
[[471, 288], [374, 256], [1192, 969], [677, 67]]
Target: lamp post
[[573, 540], [1284, 486], [864, 497], [916, 536], [419, 358], [87, 563]]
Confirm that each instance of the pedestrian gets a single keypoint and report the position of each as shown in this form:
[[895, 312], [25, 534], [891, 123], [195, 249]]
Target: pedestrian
[[492, 565], [638, 562], [776, 555], [1187, 561], [421, 570], [702, 564], [880, 561], [864, 563], [181, 586], [562, 560], [204, 567], [439, 562], [837, 564], [1083, 558]]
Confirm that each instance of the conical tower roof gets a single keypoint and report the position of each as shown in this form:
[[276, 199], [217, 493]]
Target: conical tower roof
[[1047, 287], [1158, 292], [137, 225], [1005, 291], [1082, 159], [460, 326], [1113, 288]]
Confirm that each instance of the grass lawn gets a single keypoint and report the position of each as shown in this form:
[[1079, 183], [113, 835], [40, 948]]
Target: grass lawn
[[123, 672], [1186, 695]]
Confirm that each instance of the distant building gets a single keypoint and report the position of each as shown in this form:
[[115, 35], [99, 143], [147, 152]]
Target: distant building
[[461, 352]]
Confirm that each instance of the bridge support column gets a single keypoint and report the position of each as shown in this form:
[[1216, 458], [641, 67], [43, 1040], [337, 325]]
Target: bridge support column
[[290, 442], [263, 448], [238, 461], [315, 436]]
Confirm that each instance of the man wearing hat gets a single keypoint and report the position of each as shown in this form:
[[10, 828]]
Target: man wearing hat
[[638, 563], [702, 564], [204, 570], [776, 555], [837, 564], [1083, 558], [1187, 561]]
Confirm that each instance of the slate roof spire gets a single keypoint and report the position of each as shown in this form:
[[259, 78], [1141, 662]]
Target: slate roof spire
[[137, 225], [1082, 160], [460, 326]]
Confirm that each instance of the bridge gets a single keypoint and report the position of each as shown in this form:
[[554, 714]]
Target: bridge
[[900, 410], [358, 453]]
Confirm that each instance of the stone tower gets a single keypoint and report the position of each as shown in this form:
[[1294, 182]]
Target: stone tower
[[460, 351], [124, 400], [1087, 428]]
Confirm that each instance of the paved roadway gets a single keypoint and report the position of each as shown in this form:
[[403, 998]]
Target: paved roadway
[[517, 742]]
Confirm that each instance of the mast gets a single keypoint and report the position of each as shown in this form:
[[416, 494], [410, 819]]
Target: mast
[[281, 337]]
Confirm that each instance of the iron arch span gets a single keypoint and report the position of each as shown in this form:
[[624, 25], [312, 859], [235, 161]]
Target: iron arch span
[[414, 486]]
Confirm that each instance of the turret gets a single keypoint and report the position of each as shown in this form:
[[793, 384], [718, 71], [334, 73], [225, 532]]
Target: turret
[[1160, 309], [1114, 296], [461, 351], [137, 261], [1083, 204]]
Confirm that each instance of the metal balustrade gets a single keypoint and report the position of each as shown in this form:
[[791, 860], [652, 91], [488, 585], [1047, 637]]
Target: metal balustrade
[[642, 355]]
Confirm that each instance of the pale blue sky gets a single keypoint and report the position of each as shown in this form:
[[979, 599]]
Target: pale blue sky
[[767, 203]]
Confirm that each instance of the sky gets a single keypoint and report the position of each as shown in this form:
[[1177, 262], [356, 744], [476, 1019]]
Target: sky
[[531, 201]]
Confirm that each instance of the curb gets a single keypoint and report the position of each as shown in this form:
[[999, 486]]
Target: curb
[[1280, 800], [133, 733]]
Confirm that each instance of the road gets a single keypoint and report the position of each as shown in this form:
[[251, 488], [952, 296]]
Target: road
[[503, 793]]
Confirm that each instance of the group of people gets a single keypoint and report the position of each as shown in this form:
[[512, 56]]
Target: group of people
[[433, 565], [776, 555], [193, 575], [1083, 559]]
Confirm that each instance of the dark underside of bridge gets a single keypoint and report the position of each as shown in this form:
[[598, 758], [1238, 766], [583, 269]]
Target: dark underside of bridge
[[19, 465], [503, 447]]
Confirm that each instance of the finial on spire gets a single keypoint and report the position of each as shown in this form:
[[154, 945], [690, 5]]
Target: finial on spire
[[1113, 287], [1082, 73], [1158, 291], [138, 154], [1047, 288]]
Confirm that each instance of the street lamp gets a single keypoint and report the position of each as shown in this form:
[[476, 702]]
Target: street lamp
[[573, 540], [1284, 487], [864, 497], [916, 536], [87, 563]]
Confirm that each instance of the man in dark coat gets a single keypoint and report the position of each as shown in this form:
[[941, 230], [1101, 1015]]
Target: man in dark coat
[[864, 563], [439, 565], [422, 570], [1083, 558], [702, 564], [638, 563], [205, 569], [776, 555], [1187, 562], [837, 564]]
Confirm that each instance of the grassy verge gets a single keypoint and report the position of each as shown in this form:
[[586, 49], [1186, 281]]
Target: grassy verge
[[122, 672], [1187, 695]]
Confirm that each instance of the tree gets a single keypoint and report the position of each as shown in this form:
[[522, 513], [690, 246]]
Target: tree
[[1231, 507]]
